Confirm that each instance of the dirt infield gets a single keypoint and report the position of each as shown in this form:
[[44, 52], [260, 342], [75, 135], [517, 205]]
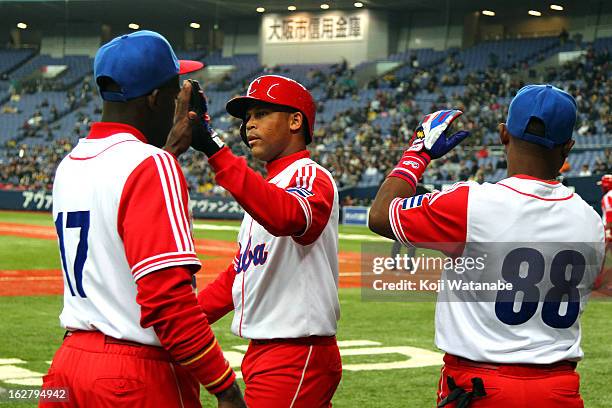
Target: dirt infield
[[219, 254]]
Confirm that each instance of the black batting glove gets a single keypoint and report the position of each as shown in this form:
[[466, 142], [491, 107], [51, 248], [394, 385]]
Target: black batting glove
[[204, 139]]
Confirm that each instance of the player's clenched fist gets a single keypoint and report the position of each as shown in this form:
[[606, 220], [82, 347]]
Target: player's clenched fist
[[430, 141]]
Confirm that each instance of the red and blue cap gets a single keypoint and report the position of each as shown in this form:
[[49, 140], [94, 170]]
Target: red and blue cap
[[553, 106], [139, 62]]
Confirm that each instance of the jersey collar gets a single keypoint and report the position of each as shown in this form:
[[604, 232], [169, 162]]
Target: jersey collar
[[534, 187], [101, 130], [276, 166], [527, 177]]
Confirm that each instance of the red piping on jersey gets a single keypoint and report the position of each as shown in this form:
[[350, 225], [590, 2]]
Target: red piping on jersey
[[538, 197], [96, 155], [100, 130], [276, 166], [527, 177]]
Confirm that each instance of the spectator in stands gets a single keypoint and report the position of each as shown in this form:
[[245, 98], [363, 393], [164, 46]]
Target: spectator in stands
[[348, 201], [585, 171], [483, 153], [8, 108], [600, 167]]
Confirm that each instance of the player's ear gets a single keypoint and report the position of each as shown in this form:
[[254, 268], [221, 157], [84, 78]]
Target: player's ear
[[567, 146], [295, 121], [504, 135], [153, 99]]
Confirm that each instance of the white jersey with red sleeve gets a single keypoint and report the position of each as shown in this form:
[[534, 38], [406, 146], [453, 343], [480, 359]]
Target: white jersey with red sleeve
[[287, 286], [533, 232], [120, 208]]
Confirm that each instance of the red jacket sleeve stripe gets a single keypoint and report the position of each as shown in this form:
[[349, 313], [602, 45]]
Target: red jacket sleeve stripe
[[145, 263], [168, 261]]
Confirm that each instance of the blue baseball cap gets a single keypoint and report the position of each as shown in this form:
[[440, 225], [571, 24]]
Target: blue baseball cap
[[138, 62], [553, 106]]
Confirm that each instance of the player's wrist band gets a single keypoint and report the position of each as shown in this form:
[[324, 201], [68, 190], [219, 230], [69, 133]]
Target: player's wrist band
[[211, 144], [411, 167]]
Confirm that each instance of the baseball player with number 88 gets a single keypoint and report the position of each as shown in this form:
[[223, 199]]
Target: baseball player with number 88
[[506, 353]]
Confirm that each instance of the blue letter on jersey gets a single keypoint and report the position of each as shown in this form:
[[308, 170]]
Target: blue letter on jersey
[[258, 256], [75, 219]]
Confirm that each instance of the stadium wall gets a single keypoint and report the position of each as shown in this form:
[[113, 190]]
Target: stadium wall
[[213, 207], [425, 30], [390, 33], [60, 46], [201, 206], [241, 37], [590, 26]]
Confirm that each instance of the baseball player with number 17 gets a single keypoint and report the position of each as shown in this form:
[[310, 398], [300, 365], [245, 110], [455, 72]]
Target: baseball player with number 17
[[136, 337], [505, 353]]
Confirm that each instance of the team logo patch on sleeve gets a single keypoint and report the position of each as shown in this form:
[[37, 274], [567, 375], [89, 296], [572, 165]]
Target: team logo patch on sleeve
[[412, 202], [302, 192]]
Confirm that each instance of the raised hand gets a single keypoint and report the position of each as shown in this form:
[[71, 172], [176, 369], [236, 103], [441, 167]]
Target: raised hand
[[430, 136], [180, 136], [429, 142]]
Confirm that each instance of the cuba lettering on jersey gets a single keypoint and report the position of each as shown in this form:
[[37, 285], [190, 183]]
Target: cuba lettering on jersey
[[121, 212], [518, 210], [287, 287]]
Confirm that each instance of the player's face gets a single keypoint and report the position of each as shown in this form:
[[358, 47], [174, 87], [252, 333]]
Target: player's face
[[268, 131]]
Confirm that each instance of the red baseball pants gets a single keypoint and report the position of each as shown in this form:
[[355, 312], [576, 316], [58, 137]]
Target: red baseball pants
[[100, 371], [291, 372], [514, 385]]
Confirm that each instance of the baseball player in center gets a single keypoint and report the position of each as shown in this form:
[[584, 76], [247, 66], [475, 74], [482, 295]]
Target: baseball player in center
[[283, 283], [512, 351]]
